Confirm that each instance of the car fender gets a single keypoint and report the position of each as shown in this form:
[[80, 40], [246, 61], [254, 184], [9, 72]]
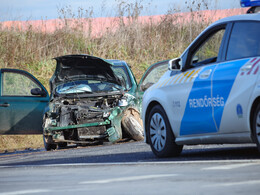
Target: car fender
[[149, 98], [254, 100]]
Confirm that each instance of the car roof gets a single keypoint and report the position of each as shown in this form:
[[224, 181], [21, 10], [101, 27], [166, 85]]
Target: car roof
[[116, 62], [243, 17]]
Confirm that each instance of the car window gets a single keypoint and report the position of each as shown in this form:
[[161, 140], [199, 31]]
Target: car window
[[208, 50], [15, 84], [244, 40], [122, 72], [154, 74]]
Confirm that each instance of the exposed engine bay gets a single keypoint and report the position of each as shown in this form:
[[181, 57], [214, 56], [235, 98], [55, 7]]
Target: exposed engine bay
[[70, 112], [74, 112], [91, 101]]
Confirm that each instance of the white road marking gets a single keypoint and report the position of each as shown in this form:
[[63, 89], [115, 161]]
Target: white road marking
[[122, 179], [227, 167], [25, 192], [253, 161], [253, 182]]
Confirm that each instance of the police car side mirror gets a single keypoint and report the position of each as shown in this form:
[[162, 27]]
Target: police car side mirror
[[175, 64]]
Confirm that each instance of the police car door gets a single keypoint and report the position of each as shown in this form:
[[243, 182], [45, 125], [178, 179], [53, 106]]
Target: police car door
[[235, 78], [203, 56]]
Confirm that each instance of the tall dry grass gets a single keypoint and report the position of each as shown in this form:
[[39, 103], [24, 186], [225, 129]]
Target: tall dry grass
[[138, 43]]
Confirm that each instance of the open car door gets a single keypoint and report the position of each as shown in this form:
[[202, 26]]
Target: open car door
[[150, 77], [22, 102]]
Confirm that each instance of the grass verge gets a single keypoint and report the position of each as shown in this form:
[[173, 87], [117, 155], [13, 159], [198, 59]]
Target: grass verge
[[20, 142]]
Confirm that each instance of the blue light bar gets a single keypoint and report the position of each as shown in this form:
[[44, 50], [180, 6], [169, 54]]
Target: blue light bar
[[249, 3]]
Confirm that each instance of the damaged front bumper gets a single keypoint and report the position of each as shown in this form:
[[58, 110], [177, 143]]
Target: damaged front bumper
[[111, 126]]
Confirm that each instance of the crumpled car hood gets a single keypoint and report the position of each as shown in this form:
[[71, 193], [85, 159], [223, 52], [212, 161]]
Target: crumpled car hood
[[76, 67]]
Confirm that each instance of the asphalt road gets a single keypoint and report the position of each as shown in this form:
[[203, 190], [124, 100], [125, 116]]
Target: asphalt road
[[131, 168]]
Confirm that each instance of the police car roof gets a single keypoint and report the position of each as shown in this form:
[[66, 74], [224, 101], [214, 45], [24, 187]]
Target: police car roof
[[244, 17]]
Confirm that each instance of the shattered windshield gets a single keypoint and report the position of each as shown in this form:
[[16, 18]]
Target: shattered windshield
[[121, 72], [87, 86]]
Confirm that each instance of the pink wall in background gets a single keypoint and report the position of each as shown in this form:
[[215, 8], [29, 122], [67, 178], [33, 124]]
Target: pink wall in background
[[100, 25]]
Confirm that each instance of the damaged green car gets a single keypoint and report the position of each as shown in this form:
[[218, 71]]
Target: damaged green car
[[92, 100]]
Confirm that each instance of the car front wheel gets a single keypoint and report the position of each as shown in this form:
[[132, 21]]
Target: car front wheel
[[47, 140], [160, 136], [48, 145]]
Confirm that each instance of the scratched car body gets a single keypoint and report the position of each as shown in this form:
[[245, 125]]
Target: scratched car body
[[92, 100], [211, 94]]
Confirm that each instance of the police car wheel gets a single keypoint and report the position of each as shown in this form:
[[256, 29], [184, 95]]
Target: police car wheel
[[160, 136], [256, 127]]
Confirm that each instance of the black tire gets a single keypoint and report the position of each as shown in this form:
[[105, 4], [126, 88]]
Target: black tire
[[133, 128], [47, 140], [256, 127], [62, 145], [48, 145], [159, 134]]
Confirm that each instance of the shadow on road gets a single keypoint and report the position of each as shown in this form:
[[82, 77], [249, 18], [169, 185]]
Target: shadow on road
[[188, 154]]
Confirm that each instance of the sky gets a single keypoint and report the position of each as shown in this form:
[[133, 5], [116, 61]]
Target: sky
[[49, 9]]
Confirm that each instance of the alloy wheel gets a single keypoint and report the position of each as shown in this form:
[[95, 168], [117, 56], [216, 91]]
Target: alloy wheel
[[158, 131]]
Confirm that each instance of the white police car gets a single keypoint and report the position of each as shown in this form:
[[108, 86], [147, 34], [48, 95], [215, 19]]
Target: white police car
[[211, 94]]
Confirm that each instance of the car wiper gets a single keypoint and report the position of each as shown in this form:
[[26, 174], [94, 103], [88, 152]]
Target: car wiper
[[121, 89]]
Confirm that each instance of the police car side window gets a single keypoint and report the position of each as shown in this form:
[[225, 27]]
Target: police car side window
[[244, 40], [208, 50]]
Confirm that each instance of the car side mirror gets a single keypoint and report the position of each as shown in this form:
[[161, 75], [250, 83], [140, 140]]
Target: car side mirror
[[146, 86], [38, 91], [175, 64]]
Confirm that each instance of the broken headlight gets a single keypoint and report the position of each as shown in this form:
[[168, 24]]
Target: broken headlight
[[122, 102], [106, 114]]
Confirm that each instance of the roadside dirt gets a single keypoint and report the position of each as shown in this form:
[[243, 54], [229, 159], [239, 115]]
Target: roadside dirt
[[20, 142]]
